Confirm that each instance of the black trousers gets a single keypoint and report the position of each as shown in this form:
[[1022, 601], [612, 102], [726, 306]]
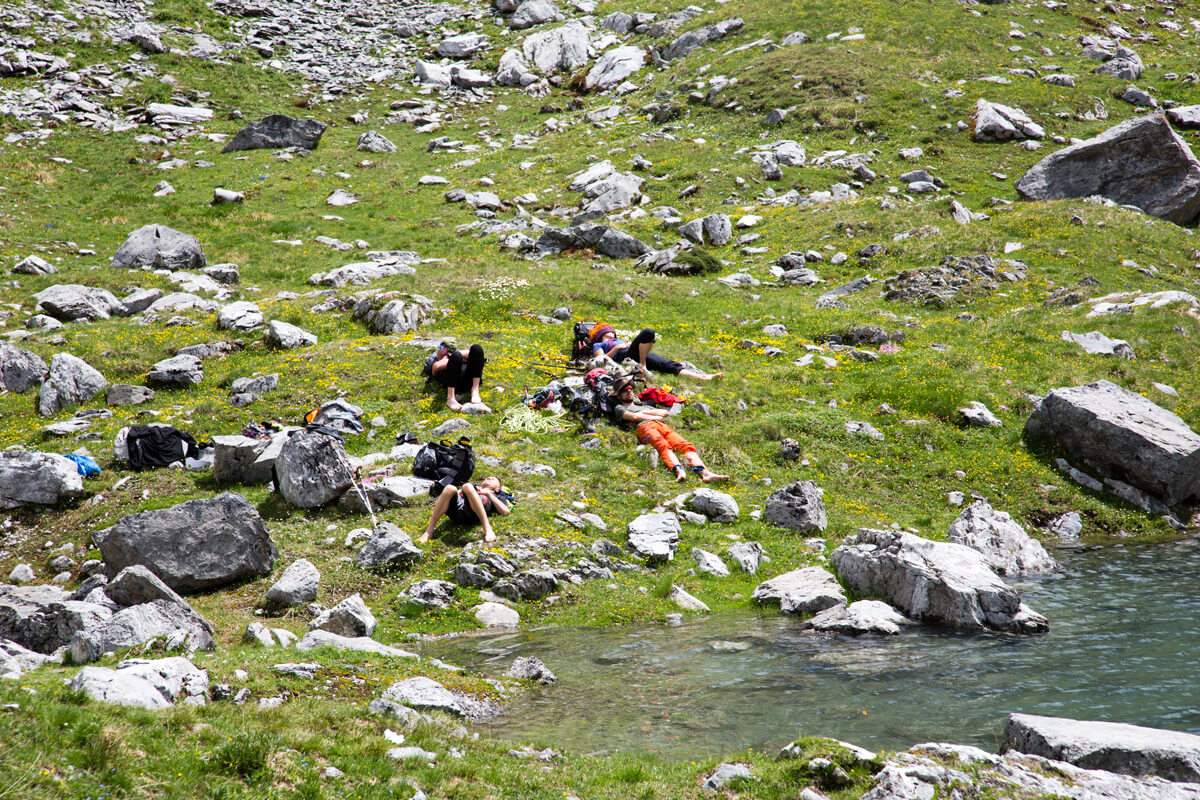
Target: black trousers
[[653, 360]]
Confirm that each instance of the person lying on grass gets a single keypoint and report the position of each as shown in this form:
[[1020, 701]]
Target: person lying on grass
[[650, 429], [470, 505], [460, 371], [605, 341]]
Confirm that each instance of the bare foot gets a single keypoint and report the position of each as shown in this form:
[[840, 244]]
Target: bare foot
[[476, 399], [453, 404], [680, 474], [489, 536], [713, 376], [708, 476], [424, 538]]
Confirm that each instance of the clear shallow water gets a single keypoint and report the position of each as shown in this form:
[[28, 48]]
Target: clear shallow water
[[1124, 645]]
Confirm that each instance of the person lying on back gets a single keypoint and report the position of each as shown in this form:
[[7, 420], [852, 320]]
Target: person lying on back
[[470, 505], [646, 421], [605, 341]]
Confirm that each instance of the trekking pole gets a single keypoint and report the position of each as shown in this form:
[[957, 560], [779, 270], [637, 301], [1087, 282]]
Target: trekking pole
[[362, 492]]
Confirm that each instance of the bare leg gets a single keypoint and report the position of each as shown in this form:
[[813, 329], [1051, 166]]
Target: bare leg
[[706, 474], [476, 504], [451, 402], [700, 376], [439, 508]]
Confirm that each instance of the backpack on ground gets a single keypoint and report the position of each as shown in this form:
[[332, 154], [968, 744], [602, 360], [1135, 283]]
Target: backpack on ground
[[445, 464], [581, 346]]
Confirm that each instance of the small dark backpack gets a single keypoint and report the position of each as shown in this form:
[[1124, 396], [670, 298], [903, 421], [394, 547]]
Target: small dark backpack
[[581, 346], [445, 464]]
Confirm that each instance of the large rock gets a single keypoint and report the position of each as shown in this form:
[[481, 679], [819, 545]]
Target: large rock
[[388, 548], [692, 40], [533, 12], [513, 70], [1112, 746], [142, 683], [797, 506], [1005, 545], [43, 479], [194, 546], [654, 537], [20, 370], [350, 618], [464, 45], [425, 694], [312, 470], [159, 247], [562, 49], [240, 316], [802, 591], [175, 372], [1140, 162], [44, 618], [612, 68], [71, 301], [997, 123], [71, 382], [236, 460], [716, 506], [862, 617], [297, 585], [286, 336], [387, 492], [936, 582], [277, 131], [391, 317], [1121, 435], [176, 622]]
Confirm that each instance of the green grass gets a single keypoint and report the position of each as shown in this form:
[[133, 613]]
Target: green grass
[[891, 91]]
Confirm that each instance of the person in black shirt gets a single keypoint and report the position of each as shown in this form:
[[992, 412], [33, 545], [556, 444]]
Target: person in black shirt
[[469, 505], [460, 371]]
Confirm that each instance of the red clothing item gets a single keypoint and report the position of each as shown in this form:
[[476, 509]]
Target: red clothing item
[[666, 441], [659, 397]]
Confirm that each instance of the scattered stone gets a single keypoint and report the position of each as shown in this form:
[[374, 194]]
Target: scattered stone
[[69, 302], [296, 586], [143, 684], [430, 593], [530, 668], [614, 67], [861, 617], [680, 597], [388, 548], [312, 470], [654, 537], [71, 381], [316, 639], [1005, 545], [285, 336], [997, 123], [797, 506], [176, 372], [1096, 343], [717, 506], [375, 142], [44, 479], [724, 774], [240, 316], [802, 591], [976, 415], [709, 563], [20, 370], [496, 615], [350, 618]]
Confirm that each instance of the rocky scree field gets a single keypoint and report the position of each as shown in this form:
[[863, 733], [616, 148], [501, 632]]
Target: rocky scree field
[[867, 270]]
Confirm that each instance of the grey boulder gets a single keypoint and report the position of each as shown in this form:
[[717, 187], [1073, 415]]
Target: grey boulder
[[241, 315], [612, 68], [350, 618], [709, 563], [20, 370], [44, 618], [533, 12], [387, 492], [716, 506], [797, 506], [426, 694], [285, 336], [1005, 545], [654, 537], [692, 40], [1140, 162], [802, 591], [375, 142], [1111, 746], [70, 301], [71, 382], [42, 479], [126, 394], [465, 45], [862, 617], [388, 548], [175, 372], [241, 459], [749, 556], [315, 639], [530, 668], [194, 546], [997, 123], [561, 49], [277, 131], [1121, 435], [430, 593], [935, 582], [175, 622], [159, 247], [297, 585], [312, 470], [143, 684]]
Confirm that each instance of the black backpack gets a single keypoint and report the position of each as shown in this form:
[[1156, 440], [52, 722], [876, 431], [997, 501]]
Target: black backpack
[[445, 464], [581, 347]]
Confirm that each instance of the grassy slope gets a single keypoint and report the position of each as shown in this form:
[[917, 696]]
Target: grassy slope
[[913, 53]]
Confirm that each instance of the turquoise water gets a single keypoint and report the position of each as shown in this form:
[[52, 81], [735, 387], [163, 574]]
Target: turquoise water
[[1124, 646]]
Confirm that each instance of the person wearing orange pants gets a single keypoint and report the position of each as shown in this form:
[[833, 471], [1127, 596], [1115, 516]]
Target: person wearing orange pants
[[653, 431]]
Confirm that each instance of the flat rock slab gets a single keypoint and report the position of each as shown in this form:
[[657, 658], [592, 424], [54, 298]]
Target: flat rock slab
[[1122, 435], [936, 582], [360, 644], [862, 617], [425, 694], [1140, 162], [654, 537], [194, 546], [801, 591], [1112, 746]]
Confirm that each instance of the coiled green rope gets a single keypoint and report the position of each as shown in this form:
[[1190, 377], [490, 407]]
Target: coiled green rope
[[523, 419]]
